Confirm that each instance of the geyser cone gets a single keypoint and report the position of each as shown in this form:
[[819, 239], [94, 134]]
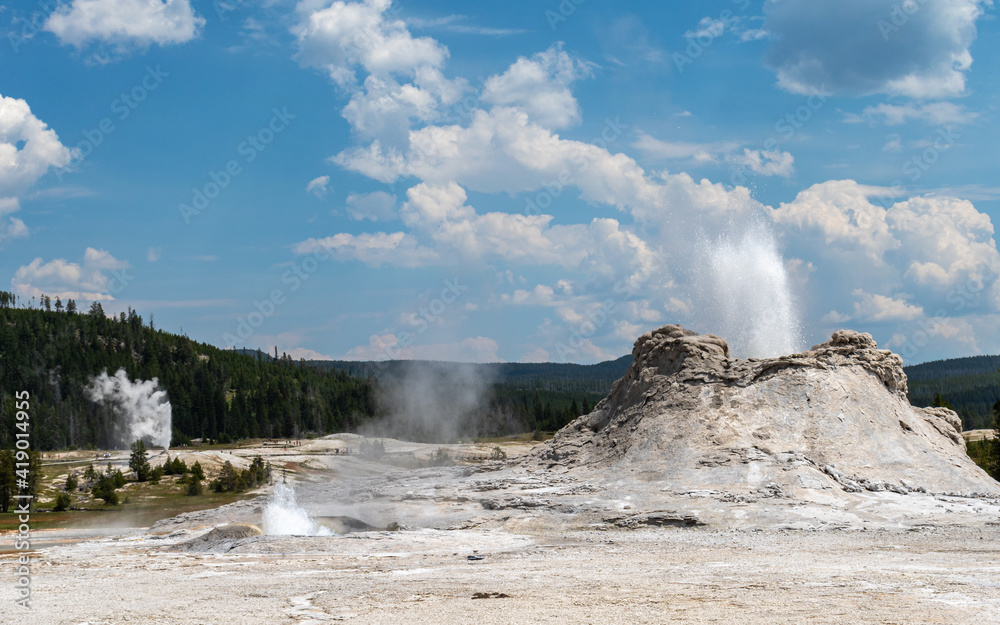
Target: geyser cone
[[834, 418]]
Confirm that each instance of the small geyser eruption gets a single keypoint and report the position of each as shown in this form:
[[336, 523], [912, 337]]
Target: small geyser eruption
[[746, 293], [141, 408], [284, 517]]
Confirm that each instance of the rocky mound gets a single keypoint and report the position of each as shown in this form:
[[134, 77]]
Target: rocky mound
[[220, 539], [835, 418]]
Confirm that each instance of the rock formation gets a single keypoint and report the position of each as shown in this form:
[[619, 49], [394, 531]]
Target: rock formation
[[834, 419]]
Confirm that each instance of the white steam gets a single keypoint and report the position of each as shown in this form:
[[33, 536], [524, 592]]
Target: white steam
[[746, 296], [141, 408], [432, 402], [284, 517]]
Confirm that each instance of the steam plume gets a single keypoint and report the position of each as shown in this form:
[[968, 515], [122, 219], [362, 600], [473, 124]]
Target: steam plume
[[432, 402], [141, 408]]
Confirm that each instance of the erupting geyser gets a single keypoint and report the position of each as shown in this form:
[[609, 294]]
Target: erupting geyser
[[752, 299], [284, 517], [141, 407], [743, 288]]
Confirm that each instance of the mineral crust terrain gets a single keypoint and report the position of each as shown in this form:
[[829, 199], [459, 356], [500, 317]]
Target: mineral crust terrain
[[704, 488]]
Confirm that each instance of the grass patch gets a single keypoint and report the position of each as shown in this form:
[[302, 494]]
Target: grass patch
[[143, 503]]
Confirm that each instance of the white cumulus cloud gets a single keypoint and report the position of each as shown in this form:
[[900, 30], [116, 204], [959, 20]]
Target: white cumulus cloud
[[96, 278], [401, 80], [764, 163], [375, 206], [863, 47], [125, 22], [540, 87], [933, 113], [387, 346], [28, 148], [318, 186]]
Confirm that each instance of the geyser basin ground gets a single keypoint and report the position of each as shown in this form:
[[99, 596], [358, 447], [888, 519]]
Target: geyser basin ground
[[702, 490], [618, 576], [560, 548]]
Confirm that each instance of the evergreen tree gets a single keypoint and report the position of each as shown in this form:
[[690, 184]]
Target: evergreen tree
[[138, 462], [62, 502], [105, 489], [34, 473], [71, 306], [940, 402], [7, 479], [197, 473]]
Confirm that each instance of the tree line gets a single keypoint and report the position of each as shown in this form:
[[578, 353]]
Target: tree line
[[214, 394]]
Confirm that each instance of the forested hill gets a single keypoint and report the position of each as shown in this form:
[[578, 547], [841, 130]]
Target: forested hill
[[955, 367], [214, 393], [969, 385], [561, 377]]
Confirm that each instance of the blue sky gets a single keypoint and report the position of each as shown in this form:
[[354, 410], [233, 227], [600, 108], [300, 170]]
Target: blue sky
[[520, 181]]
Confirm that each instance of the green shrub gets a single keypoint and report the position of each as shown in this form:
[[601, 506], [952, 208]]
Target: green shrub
[[179, 467], [105, 489], [63, 501], [197, 471]]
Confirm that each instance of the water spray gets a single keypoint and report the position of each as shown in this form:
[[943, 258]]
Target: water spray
[[141, 407]]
